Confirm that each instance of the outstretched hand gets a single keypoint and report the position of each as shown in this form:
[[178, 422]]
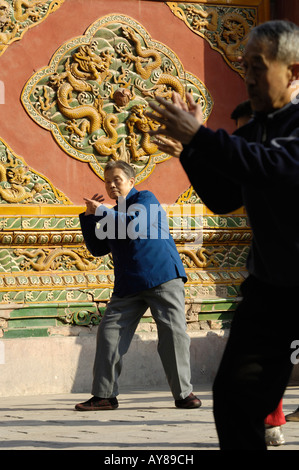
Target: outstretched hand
[[179, 120], [93, 203]]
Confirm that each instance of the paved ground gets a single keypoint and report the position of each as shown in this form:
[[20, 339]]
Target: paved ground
[[145, 420]]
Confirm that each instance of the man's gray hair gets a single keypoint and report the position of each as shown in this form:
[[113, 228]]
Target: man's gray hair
[[122, 165], [283, 39]]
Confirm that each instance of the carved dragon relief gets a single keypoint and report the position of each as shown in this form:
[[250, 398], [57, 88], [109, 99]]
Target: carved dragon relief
[[94, 94], [17, 16], [20, 184], [224, 27], [44, 259]]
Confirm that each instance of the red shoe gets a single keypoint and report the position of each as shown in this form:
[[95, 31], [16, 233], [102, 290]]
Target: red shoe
[[97, 403], [189, 402]]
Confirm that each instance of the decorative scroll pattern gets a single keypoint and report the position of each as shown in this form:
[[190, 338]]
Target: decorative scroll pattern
[[17, 16], [44, 258], [94, 94], [225, 28], [46, 268], [22, 185]]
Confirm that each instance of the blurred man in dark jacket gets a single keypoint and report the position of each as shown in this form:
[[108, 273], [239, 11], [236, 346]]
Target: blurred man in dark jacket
[[257, 167]]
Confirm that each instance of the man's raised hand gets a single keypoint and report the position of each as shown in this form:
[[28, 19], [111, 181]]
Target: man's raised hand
[[178, 120], [93, 203]]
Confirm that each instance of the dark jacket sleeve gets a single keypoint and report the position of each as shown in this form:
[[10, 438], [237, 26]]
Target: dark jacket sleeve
[[219, 165], [249, 163], [95, 246], [220, 194]]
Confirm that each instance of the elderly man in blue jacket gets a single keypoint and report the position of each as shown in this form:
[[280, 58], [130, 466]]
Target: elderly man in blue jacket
[[257, 167], [148, 274]]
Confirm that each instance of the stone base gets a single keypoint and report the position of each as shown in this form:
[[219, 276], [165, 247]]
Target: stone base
[[57, 364], [63, 364]]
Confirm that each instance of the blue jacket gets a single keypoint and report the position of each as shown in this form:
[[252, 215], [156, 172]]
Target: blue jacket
[[257, 167], [136, 232]]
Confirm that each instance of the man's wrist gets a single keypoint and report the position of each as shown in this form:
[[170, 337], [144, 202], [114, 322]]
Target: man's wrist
[[190, 137]]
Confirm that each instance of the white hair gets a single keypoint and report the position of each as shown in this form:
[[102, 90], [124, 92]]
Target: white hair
[[283, 39]]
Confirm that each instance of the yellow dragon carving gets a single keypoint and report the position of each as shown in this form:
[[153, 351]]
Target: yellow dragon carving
[[17, 178], [55, 259], [199, 258], [67, 82], [95, 94], [107, 145], [8, 30], [87, 65], [143, 56], [144, 125], [207, 19], [29, 7], [153, 61], [146, 62], [235, 30]]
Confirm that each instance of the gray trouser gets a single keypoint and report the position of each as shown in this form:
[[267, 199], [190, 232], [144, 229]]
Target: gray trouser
[[116, 330]]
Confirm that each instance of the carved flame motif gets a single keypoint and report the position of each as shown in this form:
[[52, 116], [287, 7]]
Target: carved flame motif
[[94, 94]]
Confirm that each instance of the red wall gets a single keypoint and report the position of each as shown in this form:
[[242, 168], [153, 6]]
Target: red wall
[[36, 145], [286, 10]]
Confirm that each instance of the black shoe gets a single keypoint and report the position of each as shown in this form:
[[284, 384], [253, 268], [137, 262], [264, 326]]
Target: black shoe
[[98, 403], [189, 402]]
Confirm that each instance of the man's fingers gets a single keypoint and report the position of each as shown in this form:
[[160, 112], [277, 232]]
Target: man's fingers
[[162, 143], [158, 132], [161, 120], [178, 101], [167, 141], [167, 110], [154, 117], [190, 100], [169, 145], [97, 196], [162, 139], [167, 115]]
